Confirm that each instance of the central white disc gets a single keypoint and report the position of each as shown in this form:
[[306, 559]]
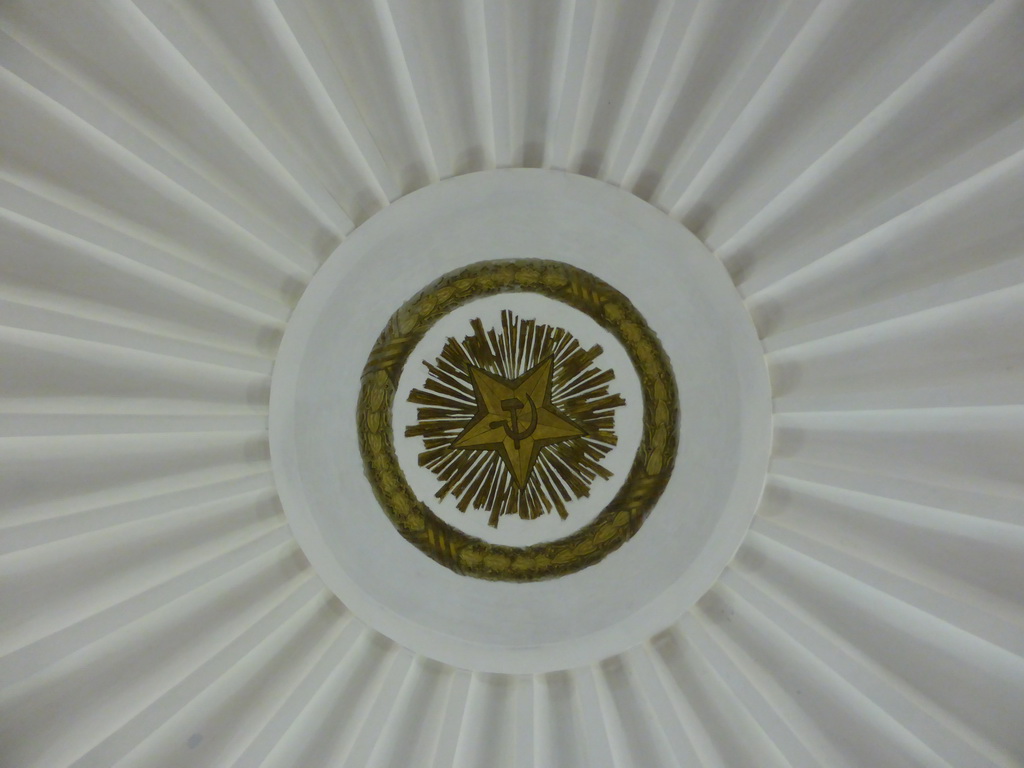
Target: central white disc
[[724, 418]]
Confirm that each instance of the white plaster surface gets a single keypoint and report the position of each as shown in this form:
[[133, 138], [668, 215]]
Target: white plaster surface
[[174, 173]]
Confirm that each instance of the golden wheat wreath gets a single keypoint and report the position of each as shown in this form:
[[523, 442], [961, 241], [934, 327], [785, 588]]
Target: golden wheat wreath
[[648, 475]]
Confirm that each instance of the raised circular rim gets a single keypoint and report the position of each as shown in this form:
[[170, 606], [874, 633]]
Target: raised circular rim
[[647, 478]]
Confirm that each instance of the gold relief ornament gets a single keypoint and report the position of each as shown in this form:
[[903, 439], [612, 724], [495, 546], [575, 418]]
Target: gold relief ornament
[[508, 409], [497, 424], [516, 421]]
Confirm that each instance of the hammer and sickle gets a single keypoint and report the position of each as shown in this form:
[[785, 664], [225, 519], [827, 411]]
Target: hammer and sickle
[[513, 405]]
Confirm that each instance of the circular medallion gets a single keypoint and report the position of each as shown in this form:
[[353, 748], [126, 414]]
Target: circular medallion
[[532, 255], [517, 420]]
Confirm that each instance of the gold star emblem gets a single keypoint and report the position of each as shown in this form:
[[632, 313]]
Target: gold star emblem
[[516, 418]]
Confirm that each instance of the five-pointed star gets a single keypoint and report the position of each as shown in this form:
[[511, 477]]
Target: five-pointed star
[[516, 418]]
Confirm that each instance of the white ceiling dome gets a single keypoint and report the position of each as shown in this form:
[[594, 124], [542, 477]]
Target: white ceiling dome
[[174, 174]]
